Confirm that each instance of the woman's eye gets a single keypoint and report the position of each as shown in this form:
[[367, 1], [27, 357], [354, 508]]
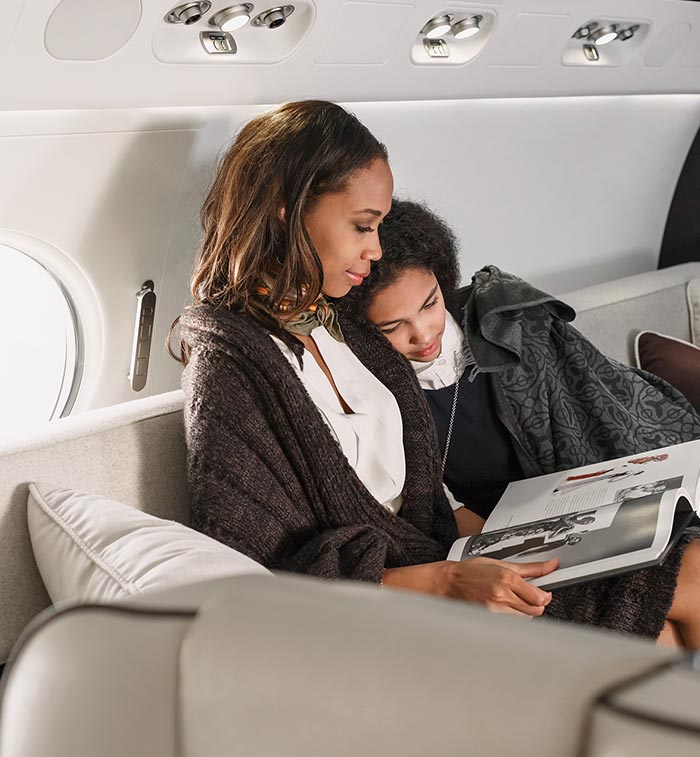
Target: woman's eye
[[390, 330], [364, 229], [432, 303]]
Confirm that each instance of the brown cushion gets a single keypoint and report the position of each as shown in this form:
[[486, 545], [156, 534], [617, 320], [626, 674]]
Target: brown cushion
[[672, 359]]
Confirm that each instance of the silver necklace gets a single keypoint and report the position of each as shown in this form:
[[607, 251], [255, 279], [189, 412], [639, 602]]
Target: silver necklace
[[455, 397]]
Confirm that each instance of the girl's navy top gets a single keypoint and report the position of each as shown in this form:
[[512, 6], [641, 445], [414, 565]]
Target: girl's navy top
[[481, 460]]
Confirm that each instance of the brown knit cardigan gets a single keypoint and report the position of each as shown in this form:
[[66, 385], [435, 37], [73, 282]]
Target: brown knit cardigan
[[268, 478]]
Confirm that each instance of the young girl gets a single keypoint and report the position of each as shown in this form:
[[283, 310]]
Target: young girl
[[515, 392]]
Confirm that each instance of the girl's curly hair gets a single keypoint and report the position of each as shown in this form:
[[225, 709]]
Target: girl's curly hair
[[411, 236]]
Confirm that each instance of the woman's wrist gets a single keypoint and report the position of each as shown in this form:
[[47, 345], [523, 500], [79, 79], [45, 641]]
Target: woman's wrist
[[429, 578]]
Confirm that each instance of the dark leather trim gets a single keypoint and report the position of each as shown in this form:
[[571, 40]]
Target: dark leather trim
[[606, 701], [681, 242]]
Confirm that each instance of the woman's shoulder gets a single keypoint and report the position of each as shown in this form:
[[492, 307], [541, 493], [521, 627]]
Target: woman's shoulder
[[210, 326]]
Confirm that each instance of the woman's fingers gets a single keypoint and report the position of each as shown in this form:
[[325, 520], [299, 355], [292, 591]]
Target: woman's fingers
[[533, 569], [522, 607], [529, 594], [508, 610]]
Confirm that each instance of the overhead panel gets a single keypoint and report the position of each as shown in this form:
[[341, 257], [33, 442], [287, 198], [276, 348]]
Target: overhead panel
[[365, 33], [606, 41], [88, 30], [519, 50], [11, 11], [455, 35], [668, 44], [219, 33], [530, 40], [691, 57]]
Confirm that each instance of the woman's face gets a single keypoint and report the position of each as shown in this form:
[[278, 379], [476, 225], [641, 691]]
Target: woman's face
[[410, 312], [343, 227]]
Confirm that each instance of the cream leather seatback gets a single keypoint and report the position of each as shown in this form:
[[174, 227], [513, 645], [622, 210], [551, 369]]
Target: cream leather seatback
[[297, 667]]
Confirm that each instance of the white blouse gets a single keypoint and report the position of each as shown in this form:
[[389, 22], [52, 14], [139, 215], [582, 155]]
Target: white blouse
[[371, 437]]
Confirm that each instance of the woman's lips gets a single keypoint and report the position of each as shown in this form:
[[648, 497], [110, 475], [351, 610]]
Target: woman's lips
[[432, 347], [356, 278]]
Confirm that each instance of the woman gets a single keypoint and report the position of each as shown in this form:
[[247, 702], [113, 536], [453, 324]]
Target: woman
[[286, 424], [284, 418], [515, 392]]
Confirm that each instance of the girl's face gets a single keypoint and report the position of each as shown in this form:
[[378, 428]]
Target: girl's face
[[343, 227], [410, 312]]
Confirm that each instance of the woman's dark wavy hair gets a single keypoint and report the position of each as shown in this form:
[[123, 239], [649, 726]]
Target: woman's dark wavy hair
[[411, 236], [252, 220]]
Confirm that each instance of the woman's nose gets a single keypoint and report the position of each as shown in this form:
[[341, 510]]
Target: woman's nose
[[373, 251]]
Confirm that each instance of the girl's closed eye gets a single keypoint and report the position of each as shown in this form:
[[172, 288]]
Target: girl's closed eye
[[364, 229], [431, 304], [390, 330]]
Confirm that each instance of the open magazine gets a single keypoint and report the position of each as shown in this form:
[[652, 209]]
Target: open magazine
[[599, 520]]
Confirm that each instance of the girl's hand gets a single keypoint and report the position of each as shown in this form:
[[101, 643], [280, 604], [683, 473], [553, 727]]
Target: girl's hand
[[498, 585]]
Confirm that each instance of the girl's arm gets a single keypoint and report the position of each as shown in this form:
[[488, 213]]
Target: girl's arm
[[468, 523]]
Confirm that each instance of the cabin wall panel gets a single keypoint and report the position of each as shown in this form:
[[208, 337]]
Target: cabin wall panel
[[107, 201], [563, 191]]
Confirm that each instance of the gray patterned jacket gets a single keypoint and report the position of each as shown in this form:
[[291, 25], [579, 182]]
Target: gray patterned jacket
[[563, 402]]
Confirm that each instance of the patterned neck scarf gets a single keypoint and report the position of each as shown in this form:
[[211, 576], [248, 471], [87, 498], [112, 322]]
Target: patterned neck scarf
[[320, 313]]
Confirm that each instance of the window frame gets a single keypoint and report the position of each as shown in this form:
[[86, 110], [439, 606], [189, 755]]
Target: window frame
[[85, 320]]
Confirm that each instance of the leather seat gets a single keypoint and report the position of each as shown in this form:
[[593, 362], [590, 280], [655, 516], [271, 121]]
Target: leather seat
[[259, 665]]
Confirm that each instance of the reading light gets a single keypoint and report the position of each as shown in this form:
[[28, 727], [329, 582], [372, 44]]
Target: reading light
[[437, 27], [626, 34], [467, 27], [586, 30], [273, 18], [232, 18], [605, 35], [187, 13]]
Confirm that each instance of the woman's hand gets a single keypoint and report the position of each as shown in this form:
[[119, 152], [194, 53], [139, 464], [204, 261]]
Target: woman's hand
[[498, 585]]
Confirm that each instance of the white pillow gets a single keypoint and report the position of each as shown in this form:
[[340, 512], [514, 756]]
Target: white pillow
[[91, 548]]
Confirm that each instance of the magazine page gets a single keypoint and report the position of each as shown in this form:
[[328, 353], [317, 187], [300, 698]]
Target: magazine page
[[599, 484], [602, 539]]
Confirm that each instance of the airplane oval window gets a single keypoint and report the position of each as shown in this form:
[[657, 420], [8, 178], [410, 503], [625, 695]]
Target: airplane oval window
[[41, 350]]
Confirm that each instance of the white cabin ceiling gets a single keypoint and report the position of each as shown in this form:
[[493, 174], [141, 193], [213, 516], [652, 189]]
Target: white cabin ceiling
[[523, 56]]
